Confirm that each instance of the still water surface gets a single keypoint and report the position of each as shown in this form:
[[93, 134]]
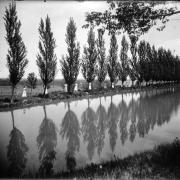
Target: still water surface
[[71, 134]]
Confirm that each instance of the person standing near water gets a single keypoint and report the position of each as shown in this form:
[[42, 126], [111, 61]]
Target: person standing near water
[[24, 94]]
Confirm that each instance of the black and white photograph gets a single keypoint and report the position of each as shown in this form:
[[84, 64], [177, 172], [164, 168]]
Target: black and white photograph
[[90, 89]]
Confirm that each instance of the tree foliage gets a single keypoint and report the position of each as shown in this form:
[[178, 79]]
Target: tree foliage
[[101, 58], [112, 65], [157, 64], [16, 57], [46, 58], [142, 53], [32, 80], [123, 65], [148, 63], [70, 63], [133, 62], [134, 17], [89, 68]]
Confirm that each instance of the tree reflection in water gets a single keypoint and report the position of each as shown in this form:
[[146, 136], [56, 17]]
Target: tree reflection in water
[[47, 141], [89, 130], [155, 110], [142, 119], [16, 152], [124, 118], [70, 129], [152, 109], [113, 116], [101, 117], [132, 129]]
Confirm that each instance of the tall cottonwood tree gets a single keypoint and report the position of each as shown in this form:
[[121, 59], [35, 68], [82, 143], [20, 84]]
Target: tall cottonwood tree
[[89, 68], [70, 63], [142, 59], [149, 60], [46, 58], [16, 57], [154, 63], [101, 58], [112, 65], [133, 62], [123, 65]]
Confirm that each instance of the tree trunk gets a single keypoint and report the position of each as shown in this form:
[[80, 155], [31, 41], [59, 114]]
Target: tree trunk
[[44, 90], [100, 85], [12, 95], [69, 88]]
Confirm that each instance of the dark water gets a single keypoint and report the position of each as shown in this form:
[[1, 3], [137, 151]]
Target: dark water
[[47, 139]]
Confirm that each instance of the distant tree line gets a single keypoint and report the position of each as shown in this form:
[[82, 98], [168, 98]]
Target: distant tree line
[[146, 63], [151, 64]]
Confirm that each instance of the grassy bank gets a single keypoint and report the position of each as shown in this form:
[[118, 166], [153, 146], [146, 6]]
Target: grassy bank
[[162, 161], [57, 96]]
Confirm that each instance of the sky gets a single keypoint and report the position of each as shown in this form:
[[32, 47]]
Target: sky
[[30, 13]]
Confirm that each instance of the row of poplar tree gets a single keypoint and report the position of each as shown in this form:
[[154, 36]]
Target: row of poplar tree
[[146, 62]]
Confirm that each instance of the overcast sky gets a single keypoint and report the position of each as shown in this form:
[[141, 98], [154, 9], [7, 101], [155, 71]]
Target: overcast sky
[[30, 12]]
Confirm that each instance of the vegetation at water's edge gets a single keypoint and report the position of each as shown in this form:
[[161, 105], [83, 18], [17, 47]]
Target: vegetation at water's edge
[[162, 161], [19, 102]]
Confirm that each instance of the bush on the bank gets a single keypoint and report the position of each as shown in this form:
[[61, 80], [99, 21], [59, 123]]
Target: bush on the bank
[[43, 96], [7, 100], [167, 155]]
